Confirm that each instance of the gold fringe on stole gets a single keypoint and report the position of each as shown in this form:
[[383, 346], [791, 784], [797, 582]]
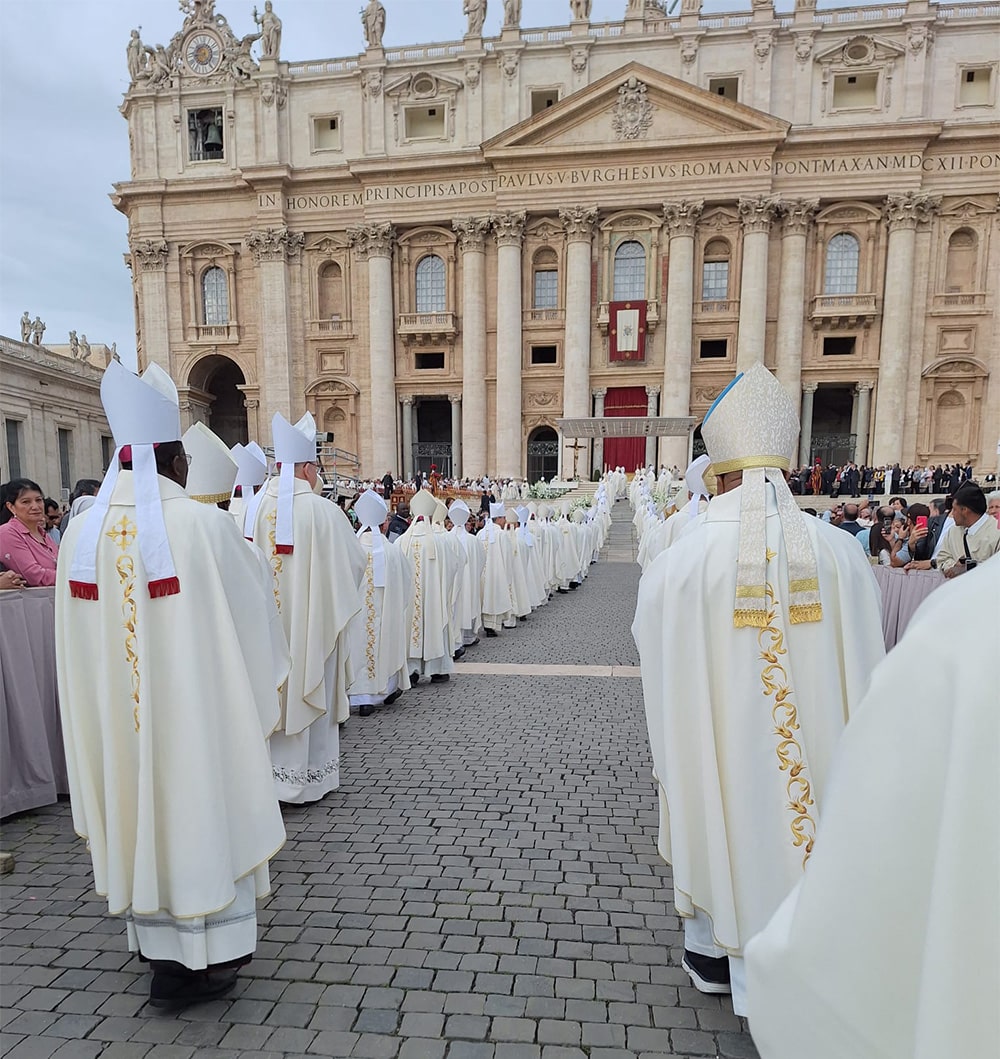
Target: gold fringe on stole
[[800, 614], [750, 619]]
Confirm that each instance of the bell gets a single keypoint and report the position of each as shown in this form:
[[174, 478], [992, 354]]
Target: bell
[[212, 136]]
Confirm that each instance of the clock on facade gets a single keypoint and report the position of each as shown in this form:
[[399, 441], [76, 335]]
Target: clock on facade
[[203, 53]]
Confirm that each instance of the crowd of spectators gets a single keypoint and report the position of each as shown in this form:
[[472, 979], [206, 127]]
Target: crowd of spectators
[[857, 481]]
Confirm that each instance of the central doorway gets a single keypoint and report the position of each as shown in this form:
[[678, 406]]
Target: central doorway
[[543, 454], [629, 453], [221, 378], [833, 435], [432, 443]]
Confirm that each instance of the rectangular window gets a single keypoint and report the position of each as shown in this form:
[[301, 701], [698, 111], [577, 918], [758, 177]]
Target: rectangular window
[[727, 87], [713, 348], [546, 289], [544, 355], [975, 86], [424, 123], [65, 438], [107, 452], [206, 133], [839, 345], [542, 99], [326, 133], [855, 91], [428, 361], [13, 431], [715, 281]]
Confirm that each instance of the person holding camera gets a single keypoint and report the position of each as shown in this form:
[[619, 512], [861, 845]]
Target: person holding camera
[[972, 540], [911, 537]]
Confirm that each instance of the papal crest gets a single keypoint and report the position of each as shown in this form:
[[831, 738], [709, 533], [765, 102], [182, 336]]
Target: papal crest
[[633, 113]]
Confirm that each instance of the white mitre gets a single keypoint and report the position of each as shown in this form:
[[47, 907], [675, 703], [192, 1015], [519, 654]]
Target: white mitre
[[251, 472], [753, 427], [292, 444], [459, 513], [213, 469], [372, 511], [497, 511], [143, 412], [423, 504], [694, 482], [440, 513], [512, 516]]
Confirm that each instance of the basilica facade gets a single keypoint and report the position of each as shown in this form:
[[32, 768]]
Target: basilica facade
[[442, 250]]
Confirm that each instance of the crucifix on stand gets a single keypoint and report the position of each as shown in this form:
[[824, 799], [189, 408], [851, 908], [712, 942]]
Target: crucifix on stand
[[576, 447]]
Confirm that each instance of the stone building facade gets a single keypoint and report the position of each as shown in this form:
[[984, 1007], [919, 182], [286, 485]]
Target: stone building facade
[[441, 250], [54, 428]]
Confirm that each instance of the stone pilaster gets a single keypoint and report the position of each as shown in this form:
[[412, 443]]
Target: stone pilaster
[[456, 434], [756, 214], [407, 437], [681, 218], [374, 243], [806, 430], [796, 216], [864, 393], [149, 269], [508, 228], [902, 213], [578, 222], [472, 232], [652, 403], [599, 396]]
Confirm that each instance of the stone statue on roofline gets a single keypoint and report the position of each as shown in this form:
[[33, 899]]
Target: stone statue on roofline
[[511, 14], [270, 31], [475, 10], [373, 22]]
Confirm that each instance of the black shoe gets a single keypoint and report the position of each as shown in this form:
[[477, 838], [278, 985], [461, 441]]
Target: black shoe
[[474, 642], [390, 699], [524, 617], [708, 974], [367, 710], [170, 990], [574, 584], [491, 632], [562, 591], [414, 679], [458, 654], [440, 678]]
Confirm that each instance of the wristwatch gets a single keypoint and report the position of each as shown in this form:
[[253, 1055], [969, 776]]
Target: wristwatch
[[933, 564]]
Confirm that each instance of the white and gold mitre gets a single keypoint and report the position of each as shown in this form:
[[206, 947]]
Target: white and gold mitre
[[423, 504], [752, 423], [213, 469]]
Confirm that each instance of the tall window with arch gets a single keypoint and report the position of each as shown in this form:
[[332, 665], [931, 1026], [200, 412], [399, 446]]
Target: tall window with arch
[[430, 279], [630, 272], [546, 279], [960, 269], [331, 292], [215, 297], [715, 271], [843, 256]]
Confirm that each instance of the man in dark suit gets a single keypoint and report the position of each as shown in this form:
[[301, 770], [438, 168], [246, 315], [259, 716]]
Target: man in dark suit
[[850, 521], [387, 485]]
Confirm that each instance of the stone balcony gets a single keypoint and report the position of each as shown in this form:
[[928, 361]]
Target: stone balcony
[[535, 319], [717, 309], [959, 303], [843, 310], [427, 327], [335, 326], [213, 334]]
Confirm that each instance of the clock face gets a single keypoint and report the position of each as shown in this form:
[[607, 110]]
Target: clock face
[[203, 53]]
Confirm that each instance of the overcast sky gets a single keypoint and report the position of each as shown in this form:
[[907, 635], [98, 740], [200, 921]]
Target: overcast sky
[[62, 76]]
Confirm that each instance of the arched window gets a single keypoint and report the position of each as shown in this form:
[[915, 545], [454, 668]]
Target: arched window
[[630, 272], [546, 280], [960, 272], [430, 285], [331, 292], [215, 297], [715, 272], [843, 252]]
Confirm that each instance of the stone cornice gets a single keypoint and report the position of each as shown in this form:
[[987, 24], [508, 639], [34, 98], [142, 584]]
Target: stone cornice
[[579, 222], [682, 216]]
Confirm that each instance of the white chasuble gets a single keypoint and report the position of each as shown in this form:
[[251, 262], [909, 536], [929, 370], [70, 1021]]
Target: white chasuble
[[166, 707], [378, 632], [888, 946], [743, 721], [498, 600], [470, 596], [428, 640], [518, 578]]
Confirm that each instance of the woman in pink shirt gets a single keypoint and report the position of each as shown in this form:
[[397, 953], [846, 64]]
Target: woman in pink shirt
[[24, 546]]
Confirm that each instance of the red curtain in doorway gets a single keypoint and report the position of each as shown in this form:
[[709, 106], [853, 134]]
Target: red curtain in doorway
[[625, 452]]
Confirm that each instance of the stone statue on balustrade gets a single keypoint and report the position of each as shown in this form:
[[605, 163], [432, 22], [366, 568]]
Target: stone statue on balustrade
[[84, 348], [580, 9], [26, 327], [241, 62], [373, 22], [37, 330], [476, 12], [74, 346], [270, 31], [511, 14], [137, 57]]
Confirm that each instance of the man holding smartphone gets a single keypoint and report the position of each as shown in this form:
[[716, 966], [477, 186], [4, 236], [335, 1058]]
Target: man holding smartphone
[[973, 539]]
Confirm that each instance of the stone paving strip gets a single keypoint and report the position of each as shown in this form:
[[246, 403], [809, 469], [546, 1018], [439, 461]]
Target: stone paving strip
[[484, 885], [502, 669]]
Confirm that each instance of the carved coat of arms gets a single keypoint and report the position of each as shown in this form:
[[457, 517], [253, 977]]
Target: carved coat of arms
[[632, 115]]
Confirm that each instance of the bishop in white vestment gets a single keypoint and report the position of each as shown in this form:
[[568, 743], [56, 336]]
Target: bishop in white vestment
[[168, 691], [757, 634], [317, 567], [470, 596], [498, 598], [888, 946]]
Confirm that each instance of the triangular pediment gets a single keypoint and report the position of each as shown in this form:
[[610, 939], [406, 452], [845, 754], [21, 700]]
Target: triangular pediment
[[861, 50], [640, 108]]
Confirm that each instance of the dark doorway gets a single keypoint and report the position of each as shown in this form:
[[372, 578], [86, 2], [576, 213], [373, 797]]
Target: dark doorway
[[432, 445], [543, 454], [832, 439], [221, 378]]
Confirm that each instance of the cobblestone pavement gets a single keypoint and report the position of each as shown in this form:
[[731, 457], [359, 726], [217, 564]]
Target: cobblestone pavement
[[484, 885]]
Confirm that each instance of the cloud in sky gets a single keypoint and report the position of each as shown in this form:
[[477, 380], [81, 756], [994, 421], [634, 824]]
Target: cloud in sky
[[62, 77]]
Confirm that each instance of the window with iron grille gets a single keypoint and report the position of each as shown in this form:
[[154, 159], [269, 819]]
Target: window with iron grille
[[215, 297], [630, 272], [430, 285], [843, 253]]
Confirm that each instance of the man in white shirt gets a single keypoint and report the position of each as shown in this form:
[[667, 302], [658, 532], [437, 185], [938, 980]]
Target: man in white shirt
[[973, 538]]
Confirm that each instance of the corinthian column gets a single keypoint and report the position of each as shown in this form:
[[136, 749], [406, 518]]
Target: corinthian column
[[472, 238], [407, 437], [864, 415], [271, 249], [806, 429], [903, 213], [456, 434], [682, 218], [756, 215], [599, 396], [373, 242], [509, 230], [149, 265], [579, 224], [796, 215], [652, 398]]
